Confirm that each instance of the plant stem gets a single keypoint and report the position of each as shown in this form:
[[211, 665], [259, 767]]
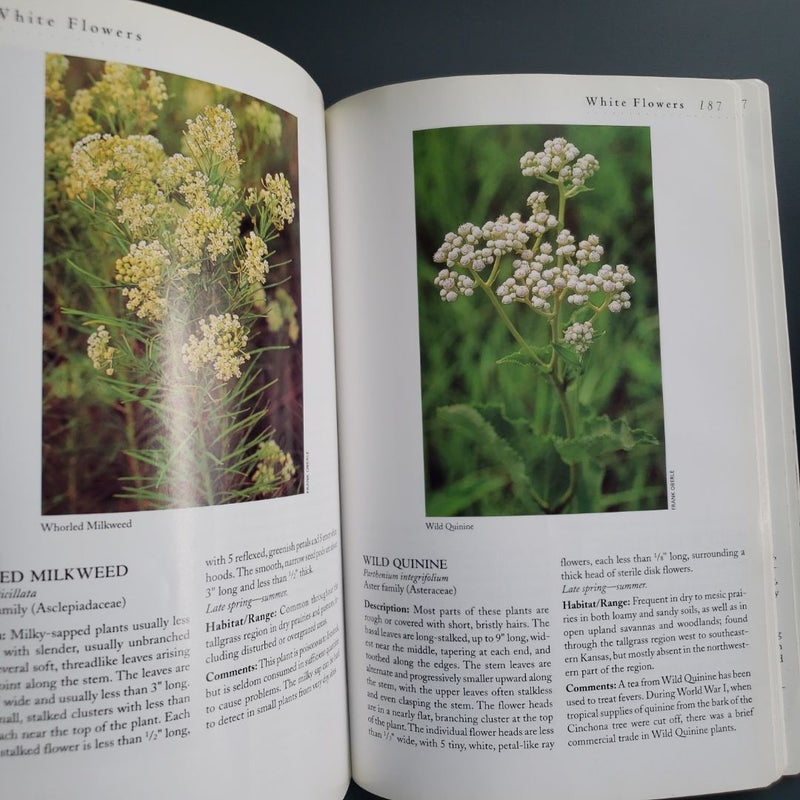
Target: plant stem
[[128, 414], [569, 433], [208, 484], [498, 306]]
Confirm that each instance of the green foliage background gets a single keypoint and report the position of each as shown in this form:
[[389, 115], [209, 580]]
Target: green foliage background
[[483, 465], [86, 430]]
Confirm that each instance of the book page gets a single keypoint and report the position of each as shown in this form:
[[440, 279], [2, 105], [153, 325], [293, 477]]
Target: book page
[[781, 466], [558, 542], [170, 572]]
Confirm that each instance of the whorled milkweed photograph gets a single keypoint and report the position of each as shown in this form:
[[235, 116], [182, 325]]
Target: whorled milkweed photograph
[[172, 333]]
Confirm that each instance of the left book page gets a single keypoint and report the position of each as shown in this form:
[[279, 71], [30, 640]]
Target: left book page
[[170, 598]]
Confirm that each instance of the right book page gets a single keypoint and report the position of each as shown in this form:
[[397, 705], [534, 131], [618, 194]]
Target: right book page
[[774, 376], [564, 473]]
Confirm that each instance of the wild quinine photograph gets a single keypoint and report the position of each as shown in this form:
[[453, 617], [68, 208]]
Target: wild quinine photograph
[[538, 320], [172, 344]]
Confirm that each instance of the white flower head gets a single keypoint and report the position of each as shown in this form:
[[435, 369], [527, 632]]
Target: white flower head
[[555, 163], [221, 345], [100, 351], [579, 336]]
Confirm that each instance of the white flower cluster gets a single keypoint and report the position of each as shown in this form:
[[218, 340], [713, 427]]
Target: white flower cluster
[[579, 336], [210, 138], [471, 247], [274, 468], [506, 234], [451, 284], [611, 280], [143, 272], [275, 200], [255, 264], [461, 249], [544, 272], [537, 277], [541, 219], [221, 345], [175, 170], [100, 352], [264, 120], [277, 196], [589, 251], [557, 160], [113, 166], [205, 230]]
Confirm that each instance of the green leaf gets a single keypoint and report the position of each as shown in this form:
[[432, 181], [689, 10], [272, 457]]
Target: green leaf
[[462, 494], [524, 358], [601, 436], [568, 354], [576, 190], [491, 444]]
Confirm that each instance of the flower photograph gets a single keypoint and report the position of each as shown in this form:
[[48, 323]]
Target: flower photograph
[[538, 317], [172, 344]]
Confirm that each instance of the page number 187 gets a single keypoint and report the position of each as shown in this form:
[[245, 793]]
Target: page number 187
[[711, 105]]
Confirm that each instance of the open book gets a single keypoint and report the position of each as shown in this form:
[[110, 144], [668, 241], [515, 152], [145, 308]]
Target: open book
[[443, 439]]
